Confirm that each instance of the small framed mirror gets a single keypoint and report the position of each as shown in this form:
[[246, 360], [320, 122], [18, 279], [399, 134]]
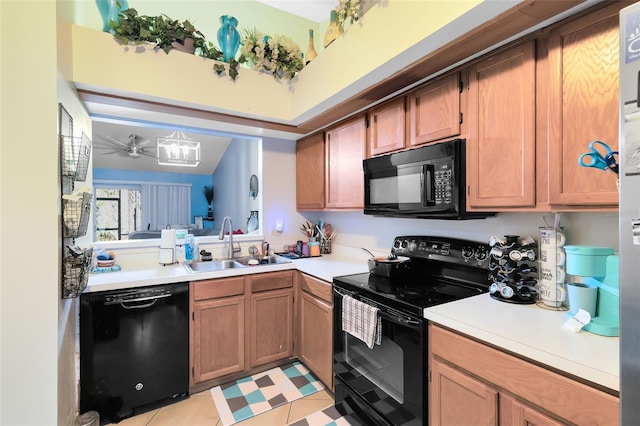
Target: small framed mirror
[[253, 186]]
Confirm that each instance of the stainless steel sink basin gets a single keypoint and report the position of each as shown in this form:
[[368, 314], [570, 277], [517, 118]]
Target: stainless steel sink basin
[[211, 266], [261, 260], [240, 262]]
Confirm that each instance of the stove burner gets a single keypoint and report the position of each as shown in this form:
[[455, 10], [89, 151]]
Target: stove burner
[[408, 292]]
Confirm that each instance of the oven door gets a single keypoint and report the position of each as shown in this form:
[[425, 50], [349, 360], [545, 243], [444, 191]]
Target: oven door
[[388, 382]]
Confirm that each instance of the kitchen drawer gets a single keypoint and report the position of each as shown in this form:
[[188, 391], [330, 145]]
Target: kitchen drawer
[[271, 281], [318, 288], [213, 289]]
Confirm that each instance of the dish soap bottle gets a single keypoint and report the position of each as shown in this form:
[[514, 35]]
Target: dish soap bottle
[[311, 50]]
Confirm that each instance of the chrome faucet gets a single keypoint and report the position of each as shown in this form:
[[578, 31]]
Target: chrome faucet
[[230, 250]]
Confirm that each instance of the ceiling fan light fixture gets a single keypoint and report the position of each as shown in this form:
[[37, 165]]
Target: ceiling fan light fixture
[[178, 149], [135, 151]]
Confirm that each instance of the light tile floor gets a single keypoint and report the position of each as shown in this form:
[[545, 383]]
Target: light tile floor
[[199, 410]]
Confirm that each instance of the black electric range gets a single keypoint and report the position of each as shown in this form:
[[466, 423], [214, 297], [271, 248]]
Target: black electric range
[[439, 270], [384, 383]]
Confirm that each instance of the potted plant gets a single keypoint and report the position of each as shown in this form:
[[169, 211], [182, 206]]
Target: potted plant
[[167, 34], [208, 194]]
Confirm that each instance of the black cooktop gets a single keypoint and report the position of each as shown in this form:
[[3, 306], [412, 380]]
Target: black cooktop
[[402, 294], [440, 270]]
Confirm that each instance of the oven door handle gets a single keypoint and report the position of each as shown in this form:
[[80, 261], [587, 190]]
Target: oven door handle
[[414, 324]]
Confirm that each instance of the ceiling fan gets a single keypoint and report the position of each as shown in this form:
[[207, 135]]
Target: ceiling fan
[[134, 148]]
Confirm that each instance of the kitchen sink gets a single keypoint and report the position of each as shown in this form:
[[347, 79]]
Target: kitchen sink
[[261, 260], [213, 265], [238, 263]]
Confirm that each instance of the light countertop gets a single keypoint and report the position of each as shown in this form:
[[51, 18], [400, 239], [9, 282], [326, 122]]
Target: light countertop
[[142, 277], [535, 333], [324, 267], [528, 330]]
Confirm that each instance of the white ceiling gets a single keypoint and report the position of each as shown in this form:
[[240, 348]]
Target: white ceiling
[[313, 10], [212, 149]]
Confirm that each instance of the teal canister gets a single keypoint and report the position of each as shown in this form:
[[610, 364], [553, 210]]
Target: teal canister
[[587, 261]]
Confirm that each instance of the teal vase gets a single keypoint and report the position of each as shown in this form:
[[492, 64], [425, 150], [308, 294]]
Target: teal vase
[[228, 37], [109, 11]]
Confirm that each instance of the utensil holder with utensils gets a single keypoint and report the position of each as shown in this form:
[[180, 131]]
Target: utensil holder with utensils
[[511, 275]]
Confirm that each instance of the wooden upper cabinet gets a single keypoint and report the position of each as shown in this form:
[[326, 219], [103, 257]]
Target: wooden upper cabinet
[[434, 110], [387, 127], [310, 166], [501, 145], [345, 150], [584, 104]]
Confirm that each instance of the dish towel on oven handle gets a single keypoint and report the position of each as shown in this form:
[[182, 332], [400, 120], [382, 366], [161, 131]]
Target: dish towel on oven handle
[[361, 321]]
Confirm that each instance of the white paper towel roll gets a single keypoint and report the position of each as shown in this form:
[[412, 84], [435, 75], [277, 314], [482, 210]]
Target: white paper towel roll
[[168, 238]]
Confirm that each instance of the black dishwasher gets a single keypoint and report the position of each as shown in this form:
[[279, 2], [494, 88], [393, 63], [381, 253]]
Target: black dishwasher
[[134, 349]]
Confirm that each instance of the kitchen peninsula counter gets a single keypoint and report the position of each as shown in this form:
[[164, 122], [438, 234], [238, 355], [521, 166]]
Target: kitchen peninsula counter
[[534, 333]]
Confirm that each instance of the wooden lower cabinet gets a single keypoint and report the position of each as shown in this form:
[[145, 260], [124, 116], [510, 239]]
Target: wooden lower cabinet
[[471, 383], [217, 328], [271, 326], [271, 317], [516, 413], [239, 323], [315, 346], [458, 399]]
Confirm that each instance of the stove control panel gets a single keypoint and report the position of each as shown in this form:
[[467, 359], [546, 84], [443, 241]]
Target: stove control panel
[[416, 247], [443, 249]]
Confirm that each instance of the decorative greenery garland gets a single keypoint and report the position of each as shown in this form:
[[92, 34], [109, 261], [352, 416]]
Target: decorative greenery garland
[[277, 55]]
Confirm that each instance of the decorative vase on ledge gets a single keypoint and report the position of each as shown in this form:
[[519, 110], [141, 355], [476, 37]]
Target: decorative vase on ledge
[[228, 37], [109, 11], [333, 30]]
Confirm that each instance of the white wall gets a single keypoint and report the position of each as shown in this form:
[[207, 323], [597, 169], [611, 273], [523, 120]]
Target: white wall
[[38, 367], [358, 230], [279, 192], [240, 161], [29, 208]]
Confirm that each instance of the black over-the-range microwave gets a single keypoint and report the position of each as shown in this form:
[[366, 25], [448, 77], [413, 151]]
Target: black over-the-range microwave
[[427, 182]]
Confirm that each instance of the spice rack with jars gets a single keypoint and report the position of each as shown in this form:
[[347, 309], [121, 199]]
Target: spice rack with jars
[[75, 153]]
